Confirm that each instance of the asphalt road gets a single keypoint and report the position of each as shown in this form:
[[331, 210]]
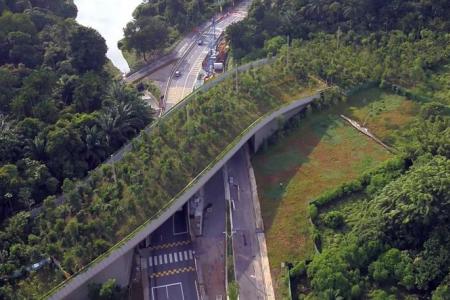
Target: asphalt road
[[191, 65], [170, 261], [210, 247], [248, 264]]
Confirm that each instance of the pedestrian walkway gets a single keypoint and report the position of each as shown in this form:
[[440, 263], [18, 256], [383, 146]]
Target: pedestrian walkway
[[169, 258]]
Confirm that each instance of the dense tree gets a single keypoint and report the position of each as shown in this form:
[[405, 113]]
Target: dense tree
[[88, 49], [351, 18], [146, 35], [157, 24]]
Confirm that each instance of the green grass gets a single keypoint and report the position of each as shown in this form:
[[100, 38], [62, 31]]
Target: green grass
[[382, 112], [321, 154]]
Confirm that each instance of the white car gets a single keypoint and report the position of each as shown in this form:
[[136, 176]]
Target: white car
[[177, 73]]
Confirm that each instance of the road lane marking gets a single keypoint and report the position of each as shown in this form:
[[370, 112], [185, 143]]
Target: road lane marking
[[181, 256], [165, 258], [150, 261], [170, 257], [160, 259], [190, 254], [185, 255], [166, 287]]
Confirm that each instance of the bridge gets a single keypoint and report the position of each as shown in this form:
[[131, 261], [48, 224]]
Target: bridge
[[116, 262]]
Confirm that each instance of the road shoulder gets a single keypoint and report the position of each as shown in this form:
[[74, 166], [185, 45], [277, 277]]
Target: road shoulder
[[260, 234]]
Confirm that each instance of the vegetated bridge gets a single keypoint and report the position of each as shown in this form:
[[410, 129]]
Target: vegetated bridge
[[117, 262]]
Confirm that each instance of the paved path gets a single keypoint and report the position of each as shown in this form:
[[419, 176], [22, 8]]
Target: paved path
[[248, 263], [169, 261], [210, 247]]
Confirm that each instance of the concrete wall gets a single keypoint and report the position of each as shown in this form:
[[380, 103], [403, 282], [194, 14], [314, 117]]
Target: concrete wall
[[120, 269], [77, 287], [265, 132]]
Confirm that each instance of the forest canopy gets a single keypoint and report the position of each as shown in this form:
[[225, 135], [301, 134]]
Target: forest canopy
[[61, 113]]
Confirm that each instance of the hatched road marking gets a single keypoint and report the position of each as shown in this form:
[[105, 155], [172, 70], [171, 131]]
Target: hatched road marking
[[170, 245], [172, 272]]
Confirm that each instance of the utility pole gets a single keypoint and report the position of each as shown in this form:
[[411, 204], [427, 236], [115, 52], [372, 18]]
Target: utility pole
[[339, 32], [287, 52], [114, 169], [237, 81]]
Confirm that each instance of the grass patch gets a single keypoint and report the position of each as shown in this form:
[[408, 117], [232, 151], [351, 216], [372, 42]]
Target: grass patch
[[320, 155], [382, 112]]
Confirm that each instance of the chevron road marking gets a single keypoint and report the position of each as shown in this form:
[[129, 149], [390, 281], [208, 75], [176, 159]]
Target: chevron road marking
[[172, 272]]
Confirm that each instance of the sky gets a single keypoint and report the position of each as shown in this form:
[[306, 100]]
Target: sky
[[108, 17]]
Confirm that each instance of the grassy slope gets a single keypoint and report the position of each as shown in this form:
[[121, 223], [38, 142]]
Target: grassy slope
[[322, 154]]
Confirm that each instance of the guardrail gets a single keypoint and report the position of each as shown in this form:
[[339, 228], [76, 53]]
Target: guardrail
[[133, 238]]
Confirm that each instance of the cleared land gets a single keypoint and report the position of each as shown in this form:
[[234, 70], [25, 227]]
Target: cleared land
[[321, 154]]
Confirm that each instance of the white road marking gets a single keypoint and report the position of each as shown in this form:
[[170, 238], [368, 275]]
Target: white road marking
[[166, 286], [155, 260], [181, 256], [160, 259], [165, 258], [170, 257], [175, 257], [150, 261], [185, 255]]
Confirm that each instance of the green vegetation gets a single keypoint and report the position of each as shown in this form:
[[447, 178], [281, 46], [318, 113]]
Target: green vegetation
[[321, 153], [109, 290], [61, 113], [402, 47], [158, 24], [269, 23], [398, 222], [119, 198]]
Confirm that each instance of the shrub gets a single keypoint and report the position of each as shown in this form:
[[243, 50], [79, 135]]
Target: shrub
[[334, 219], [299, 269], [313, 211]]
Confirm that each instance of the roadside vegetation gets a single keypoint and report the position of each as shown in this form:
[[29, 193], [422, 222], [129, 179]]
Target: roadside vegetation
[[158, 25]]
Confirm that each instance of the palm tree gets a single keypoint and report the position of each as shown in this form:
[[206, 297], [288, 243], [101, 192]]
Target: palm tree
[[36, 148], [94, 141]]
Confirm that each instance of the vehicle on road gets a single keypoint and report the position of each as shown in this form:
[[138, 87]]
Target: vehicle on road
[[200, 42], [177, 74]]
